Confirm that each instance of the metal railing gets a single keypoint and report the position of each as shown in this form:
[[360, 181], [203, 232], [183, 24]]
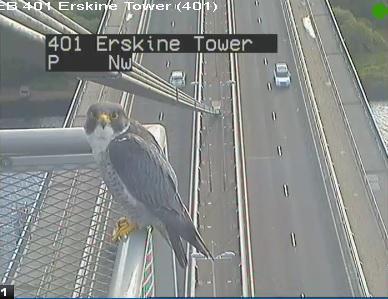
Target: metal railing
[[138, 80], [351, 245], [349, 132], [132, 263], [247, 275], [56, 221]]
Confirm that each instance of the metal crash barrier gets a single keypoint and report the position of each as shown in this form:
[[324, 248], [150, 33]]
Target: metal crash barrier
[[57, 220]]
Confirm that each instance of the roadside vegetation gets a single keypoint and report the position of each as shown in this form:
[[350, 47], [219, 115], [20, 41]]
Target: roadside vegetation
[[367, 41]]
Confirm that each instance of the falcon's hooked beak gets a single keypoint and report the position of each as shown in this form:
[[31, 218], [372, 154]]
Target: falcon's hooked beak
[[104, 119]]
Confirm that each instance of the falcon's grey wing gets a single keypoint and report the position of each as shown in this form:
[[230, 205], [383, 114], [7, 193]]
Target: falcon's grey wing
[[138, 129], [149, 177]]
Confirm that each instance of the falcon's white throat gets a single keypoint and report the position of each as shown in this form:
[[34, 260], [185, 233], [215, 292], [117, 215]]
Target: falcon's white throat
[[99, 139]]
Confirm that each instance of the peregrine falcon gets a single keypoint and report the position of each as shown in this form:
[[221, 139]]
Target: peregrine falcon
[[139, 177]]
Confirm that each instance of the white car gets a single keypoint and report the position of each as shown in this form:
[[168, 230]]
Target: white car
[[24, 91], [178, 78], [282, 76]]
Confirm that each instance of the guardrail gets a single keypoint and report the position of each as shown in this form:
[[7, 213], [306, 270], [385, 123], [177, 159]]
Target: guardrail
[[190, 282], [356, 152], [328, 160], [127, 278], [242, 196]]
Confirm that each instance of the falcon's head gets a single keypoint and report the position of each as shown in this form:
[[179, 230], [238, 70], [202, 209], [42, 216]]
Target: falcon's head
[[104, 121]]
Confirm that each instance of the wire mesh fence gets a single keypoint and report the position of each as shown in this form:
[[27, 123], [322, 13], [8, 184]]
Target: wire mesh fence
[[55, 233]]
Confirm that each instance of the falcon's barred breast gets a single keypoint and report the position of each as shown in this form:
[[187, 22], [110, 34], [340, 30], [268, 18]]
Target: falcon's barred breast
[[139, 176]]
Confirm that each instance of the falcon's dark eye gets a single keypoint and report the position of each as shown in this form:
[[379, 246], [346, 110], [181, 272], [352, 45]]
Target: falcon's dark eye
[[114, 115]]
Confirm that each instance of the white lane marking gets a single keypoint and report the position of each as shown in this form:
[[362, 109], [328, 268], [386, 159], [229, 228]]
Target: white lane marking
[[129, 16], [172, 23], [265, 60], [279, 149], [285, 190], [259, 20], [273, 115], [256, 2], [161, 116], [168, 63], [287, 22], [269, 86], [293, 239]]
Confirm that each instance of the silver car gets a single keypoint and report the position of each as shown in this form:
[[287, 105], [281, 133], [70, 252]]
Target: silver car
[[282, 76], [178, 78]]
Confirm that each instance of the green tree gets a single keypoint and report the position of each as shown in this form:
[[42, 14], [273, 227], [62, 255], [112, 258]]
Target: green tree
[[359, 34], [368, 48], [362, 8]]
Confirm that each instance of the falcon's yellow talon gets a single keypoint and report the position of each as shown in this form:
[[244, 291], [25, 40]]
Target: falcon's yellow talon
[[123, 228]]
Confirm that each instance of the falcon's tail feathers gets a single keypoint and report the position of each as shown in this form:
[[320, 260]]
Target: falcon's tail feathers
[[177, 245], [191, 235], [200, 245]]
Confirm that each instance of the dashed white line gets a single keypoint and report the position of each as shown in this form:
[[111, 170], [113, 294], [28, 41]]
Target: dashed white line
[[273, 115], [293, 239], [269, 86], [279, 149], [285, 190], [172, 23], [161, 116], [259, 20], [168, 63], [265, 60]]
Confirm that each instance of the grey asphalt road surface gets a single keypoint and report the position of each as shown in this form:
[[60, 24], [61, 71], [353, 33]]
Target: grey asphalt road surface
[[294, 242]]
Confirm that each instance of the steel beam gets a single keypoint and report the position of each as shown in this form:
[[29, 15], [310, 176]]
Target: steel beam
[[60, 17], [139, 81], [44, 149], [23, 19], [25, 8]]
